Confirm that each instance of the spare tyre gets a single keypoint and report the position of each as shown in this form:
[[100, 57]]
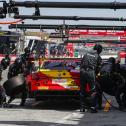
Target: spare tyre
[[15, 85]]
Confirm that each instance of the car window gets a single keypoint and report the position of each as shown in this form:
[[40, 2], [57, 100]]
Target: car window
[[61, 65], [52, 65]]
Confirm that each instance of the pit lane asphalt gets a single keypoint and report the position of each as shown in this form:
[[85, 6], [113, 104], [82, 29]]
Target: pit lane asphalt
[[57, 113]]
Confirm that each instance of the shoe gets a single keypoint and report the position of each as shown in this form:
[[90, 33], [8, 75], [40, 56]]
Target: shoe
[[82, 109], [93, 110]]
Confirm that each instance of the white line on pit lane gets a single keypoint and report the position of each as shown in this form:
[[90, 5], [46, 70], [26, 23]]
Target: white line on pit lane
[[76, 115]]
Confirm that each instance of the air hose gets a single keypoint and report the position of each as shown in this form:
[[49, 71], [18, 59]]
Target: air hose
[[108, 100]]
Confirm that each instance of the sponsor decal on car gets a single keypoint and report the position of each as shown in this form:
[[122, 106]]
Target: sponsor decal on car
[[43, 87]]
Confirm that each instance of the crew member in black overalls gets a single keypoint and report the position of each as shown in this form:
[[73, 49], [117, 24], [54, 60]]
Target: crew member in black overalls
[[28, 66], [25, 55], [15, 69], [111, 74], [90, 64]]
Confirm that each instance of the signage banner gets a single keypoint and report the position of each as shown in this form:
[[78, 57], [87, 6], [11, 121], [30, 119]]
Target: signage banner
[[98, 32]]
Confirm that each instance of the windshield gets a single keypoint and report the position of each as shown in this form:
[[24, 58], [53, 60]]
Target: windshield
[[61, 65]]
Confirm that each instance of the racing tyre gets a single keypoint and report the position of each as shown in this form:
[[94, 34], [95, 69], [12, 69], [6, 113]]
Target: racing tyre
[[15, 85]]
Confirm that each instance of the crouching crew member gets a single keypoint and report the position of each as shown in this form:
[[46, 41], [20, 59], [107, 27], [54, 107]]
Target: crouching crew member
[[90, 64], [15, 69], [113, 81]]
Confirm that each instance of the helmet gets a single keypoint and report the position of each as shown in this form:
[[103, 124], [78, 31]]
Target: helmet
[[5, 62], [98, 47], [111, 60], [18, 62]]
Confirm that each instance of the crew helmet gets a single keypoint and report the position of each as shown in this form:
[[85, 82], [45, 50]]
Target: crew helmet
[[98, 47], [112, 60], [5, 62], [18, 61]]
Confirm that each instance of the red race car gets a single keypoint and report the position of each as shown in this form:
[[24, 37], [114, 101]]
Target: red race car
[[56, 77]]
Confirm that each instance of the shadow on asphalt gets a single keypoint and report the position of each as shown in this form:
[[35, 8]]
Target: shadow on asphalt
[[62, 105], [31, 123]]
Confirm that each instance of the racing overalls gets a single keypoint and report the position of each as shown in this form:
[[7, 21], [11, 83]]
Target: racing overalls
[[89, 68], [110, 74], [14, 70], [28, 66]]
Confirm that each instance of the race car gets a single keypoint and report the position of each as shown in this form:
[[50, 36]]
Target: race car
[[56, 77]]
